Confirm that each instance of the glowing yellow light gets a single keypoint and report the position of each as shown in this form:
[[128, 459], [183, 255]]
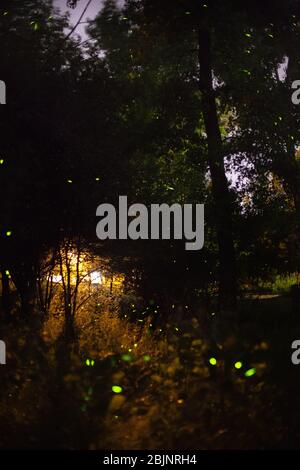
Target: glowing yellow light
[[213, 361], [8, 233], [117, 389], [147, 358], [69, 181], [1, 161], [238, 365]]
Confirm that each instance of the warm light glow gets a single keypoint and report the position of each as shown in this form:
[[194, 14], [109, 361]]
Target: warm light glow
[[96, 277], [80, 272]]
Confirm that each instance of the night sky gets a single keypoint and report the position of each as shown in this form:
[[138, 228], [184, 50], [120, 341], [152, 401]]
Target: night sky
[[75, 14]]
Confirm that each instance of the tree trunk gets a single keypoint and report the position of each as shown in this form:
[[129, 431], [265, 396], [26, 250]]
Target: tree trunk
[[221, 195], [25, 282], [285, 165]]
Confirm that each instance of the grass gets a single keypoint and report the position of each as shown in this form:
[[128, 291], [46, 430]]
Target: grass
[[280, 284]]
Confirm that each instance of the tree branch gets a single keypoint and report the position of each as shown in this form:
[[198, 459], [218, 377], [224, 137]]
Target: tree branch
[[79, 20]]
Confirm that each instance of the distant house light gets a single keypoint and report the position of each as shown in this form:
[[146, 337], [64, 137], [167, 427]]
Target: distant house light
[[96, 277]]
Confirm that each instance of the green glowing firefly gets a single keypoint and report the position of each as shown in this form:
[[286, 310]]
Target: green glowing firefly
[[213, 361], [250, 372], [238, 365], [90, 362], [117, 389], [126, 357]]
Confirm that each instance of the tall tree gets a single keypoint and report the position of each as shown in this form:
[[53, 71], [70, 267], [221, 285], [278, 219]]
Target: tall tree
[[182, 35]]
